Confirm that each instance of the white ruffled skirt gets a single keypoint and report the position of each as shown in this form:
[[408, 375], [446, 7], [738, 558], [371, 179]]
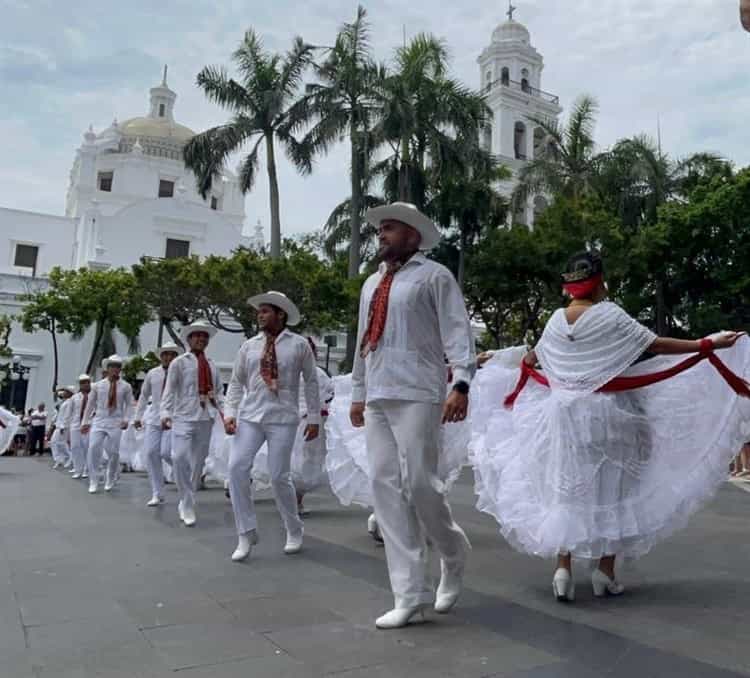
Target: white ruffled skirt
[[347, 463], [8, 430], [602, 474]]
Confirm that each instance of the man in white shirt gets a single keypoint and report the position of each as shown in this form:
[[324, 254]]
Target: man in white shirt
[[38, 429], [79, 442], [190, 402], [59, 436], [156, 438], [263, 395], [412, 317], [107, 414]]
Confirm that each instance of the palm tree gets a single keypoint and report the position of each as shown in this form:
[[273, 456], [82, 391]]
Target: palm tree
[[424, 114], [566, 163], [262, 107], [342, 104], [337, 229]]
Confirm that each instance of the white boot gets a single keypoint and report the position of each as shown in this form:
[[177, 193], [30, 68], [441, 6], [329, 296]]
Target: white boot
[[603, 585], [451, 579], [93, 487], [188, 516], [563, 586], [293, 543], [245, 544], [155, 500], [399, 617]]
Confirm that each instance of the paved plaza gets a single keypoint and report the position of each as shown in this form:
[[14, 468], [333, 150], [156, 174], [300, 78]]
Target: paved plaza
[[103, 586]]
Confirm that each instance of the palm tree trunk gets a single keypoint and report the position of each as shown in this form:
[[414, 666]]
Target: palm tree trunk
[[273, 189], [55, 355], [404, 178], [355, 206], [95, 348]]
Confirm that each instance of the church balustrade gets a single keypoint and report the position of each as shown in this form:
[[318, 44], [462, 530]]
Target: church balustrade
[[526, 88]]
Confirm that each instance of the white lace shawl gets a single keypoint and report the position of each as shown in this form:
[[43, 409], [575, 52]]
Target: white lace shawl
[[599, 346]]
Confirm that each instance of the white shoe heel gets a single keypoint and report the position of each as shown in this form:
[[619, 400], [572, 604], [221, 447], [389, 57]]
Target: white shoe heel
[[603, 585], [400, 617], [563, 586], [245, 545]]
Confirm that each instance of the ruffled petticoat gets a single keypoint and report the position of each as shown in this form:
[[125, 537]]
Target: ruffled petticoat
[[601, 474], [347, 463], [8, 430], [307, 464]]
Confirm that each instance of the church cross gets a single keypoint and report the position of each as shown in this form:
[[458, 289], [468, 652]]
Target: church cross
[[511, 9]]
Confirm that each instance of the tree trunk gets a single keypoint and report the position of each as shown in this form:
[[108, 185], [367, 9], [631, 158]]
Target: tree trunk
[[95, 348], [404, 177], [661, 310], [55, 355], [273, 189], [355, 224], [171, 332]]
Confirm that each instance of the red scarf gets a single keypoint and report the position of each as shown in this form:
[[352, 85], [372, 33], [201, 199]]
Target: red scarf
[[205, 383], [626, 383], [269, 365], [583, 289], [112, 400], [378, 312]]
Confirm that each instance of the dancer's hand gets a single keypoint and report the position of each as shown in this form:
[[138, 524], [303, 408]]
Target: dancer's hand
[[85, 429], [455, 408], [725, 339], [166, 423], [357, 415], [311, 432], [230, 426], [138, 424]]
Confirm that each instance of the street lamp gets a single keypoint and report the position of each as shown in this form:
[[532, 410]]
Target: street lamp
[[14, 371], [330, 342]]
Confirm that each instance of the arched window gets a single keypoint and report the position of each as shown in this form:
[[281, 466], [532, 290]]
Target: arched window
[[505, 76], [488, 80], [487, 138], [525, 80], [519, 214], [519, 140]]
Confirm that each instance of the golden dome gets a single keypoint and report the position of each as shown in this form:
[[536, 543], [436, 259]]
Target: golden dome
[[160, 128]]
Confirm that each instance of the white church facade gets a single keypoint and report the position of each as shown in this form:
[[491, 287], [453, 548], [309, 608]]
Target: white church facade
[[510, 77], [130, 195]]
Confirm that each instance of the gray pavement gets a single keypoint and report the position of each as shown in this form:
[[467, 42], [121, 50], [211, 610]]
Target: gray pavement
[[103, 586]]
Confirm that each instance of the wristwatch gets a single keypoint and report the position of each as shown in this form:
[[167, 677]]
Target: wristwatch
[[462, 387]]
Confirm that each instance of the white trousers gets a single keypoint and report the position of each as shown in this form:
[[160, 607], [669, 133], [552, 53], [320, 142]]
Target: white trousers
[[158, 445], [60, 449], [244, 446], [403, 446], [79, 447], [104, 440], [190, 440]]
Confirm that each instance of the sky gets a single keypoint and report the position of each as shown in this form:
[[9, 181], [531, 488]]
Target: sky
[[65, 64]]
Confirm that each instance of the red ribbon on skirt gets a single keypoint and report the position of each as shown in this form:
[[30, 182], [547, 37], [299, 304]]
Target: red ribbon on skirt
[[627, 383]]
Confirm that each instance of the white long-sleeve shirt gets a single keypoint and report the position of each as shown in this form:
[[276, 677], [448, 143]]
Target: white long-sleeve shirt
[[325, 391], [153, 387], [63, 414], [98, 414], [180, 400], [427, 321], [73, 417], [250, 399]]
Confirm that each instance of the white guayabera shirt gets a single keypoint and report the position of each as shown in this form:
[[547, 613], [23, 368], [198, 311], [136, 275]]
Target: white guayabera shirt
[[250, 399], [426, 323], [153, 387], [180, 400], [98, 414]]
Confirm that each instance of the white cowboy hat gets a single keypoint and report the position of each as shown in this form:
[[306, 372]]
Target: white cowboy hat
[[84, 377], [114, 359], [280, 300], [170, 346], [407, 214], [70, 389], [198, 326]]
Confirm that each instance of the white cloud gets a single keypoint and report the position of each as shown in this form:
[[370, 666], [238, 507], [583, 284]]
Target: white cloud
[[683, 61]]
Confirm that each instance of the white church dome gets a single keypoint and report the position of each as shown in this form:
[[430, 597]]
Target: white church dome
[[511, 30]]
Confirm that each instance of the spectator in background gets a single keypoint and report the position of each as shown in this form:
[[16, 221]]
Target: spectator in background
[[38, 429]]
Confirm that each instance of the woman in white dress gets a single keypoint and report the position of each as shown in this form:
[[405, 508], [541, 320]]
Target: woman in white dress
[[584, 466], [8, 426]]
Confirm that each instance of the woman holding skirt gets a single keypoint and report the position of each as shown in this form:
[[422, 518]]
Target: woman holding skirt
[[584, 465]]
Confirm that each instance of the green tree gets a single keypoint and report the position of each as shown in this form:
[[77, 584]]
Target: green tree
[[566, 162], [344, 102], [261, 103]]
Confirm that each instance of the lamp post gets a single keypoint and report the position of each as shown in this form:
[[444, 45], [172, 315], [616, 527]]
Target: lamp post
[[330, 342], [14, 371]]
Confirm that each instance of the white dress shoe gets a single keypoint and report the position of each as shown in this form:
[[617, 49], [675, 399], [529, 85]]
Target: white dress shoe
[[76, 476], [373, 529], [400, 617], [93, 488], [56, 465], [84, 475], [245, 545], [563, 585], [188, 516], [451, 580], [603, 585], [155, 500], [293, 544]]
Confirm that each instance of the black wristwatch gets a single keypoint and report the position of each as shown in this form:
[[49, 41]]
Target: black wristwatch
[[462, 387]]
